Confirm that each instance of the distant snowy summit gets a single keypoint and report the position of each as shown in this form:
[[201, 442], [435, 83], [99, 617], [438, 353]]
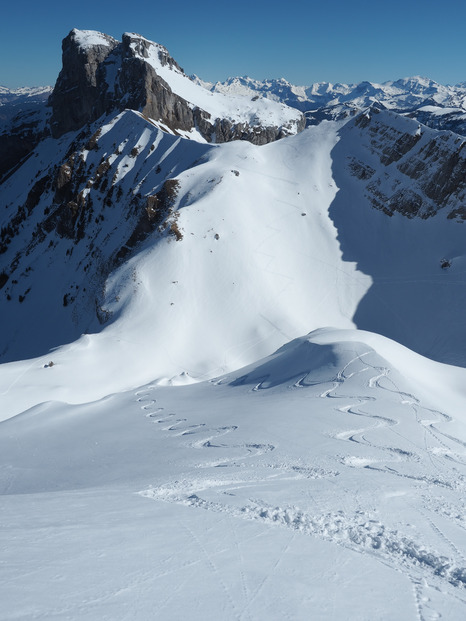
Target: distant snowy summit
[[29, 92], [396, 95], [14, 101], [436, 105]]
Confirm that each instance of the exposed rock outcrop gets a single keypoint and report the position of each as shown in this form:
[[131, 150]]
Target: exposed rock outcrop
[[140, 88], [77, 96], [223, 130], [409, 168], [101, 75]]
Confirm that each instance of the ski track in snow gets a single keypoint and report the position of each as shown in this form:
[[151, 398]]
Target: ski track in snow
[[359, 530]]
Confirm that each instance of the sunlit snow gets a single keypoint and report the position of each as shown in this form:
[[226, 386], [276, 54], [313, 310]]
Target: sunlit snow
[[215, 450]]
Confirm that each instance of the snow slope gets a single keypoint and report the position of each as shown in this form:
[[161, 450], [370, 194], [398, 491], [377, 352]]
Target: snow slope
[[321, 482], [168, 464], [250, 251], [276, 241], [412, 299]]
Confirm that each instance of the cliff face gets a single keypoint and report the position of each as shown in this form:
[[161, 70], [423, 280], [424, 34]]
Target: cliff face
[[77, 96], [87, 87], [406, 167], [101, 75], [138, 86]]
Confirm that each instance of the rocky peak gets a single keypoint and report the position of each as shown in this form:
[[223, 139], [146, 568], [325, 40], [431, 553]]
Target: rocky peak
[[75, 98], [101, 75], [135, 45]]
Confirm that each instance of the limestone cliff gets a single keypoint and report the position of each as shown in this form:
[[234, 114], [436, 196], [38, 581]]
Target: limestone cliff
[[101, 75], [407, 167]]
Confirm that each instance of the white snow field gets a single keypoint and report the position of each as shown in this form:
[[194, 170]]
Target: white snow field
[[323, 482], [171, 466]]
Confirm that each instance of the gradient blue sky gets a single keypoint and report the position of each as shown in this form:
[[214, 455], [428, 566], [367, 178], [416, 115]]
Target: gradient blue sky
[[302, 41]]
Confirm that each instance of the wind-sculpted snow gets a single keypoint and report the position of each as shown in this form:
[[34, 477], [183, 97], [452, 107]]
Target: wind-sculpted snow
[[322, 468]]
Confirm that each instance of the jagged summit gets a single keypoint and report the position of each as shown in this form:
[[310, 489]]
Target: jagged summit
[[101, 75]]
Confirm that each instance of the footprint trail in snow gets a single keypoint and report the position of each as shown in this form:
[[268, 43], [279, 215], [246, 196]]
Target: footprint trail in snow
[[371, 429]]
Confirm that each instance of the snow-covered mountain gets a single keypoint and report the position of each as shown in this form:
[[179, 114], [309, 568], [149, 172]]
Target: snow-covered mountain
[[399, 94], [91, 200], [183, 434], [101, 75], [24, 103], [436, 105], [140, 74], [35, 93]]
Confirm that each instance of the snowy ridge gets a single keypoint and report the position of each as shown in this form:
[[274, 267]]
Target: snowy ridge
[[238, 109], [181, 433], [293, 238]]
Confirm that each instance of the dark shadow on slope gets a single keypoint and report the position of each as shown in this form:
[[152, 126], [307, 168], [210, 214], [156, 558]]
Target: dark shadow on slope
[[299, 361], [412, 299], [79, 222]]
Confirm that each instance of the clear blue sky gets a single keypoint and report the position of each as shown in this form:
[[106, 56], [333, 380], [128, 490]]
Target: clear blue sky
[[302, 41]]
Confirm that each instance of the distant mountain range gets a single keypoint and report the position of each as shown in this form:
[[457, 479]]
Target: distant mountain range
[[26, 93], [19, 100], [398, 95], [437, 105]]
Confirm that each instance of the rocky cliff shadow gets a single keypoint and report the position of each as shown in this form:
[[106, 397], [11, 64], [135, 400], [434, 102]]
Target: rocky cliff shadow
[[412, 299]]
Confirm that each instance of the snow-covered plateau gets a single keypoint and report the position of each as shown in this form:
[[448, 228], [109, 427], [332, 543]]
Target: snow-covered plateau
[[233, 379]]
